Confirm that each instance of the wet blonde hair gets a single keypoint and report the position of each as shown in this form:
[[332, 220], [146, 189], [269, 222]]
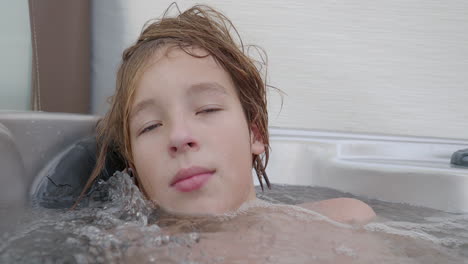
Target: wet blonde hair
[[200, 26]]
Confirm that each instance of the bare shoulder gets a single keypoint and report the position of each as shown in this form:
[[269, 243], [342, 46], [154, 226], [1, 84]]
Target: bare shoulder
[[344, 210]]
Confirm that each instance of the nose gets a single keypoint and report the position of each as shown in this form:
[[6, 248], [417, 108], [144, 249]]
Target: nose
[[182, 140]]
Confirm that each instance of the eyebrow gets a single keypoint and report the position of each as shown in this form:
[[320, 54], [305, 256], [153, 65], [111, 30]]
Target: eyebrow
[[195, 89], [206, 87], [140, 106]]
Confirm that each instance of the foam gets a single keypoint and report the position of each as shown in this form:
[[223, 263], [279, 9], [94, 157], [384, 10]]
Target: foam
[[344, 250], [418, 231], [292, 210], [108, 229]]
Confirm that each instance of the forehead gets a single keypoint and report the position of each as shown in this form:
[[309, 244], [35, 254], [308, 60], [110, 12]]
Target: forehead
[[171, 71], [206, 88]]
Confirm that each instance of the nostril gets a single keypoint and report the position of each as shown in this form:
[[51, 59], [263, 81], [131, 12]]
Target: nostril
[[182, 147]]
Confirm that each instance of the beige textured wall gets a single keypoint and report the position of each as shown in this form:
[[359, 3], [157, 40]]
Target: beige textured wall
[[386, 67]]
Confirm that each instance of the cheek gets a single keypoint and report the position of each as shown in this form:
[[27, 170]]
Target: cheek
[[138, 153], [236, 143], [237, 159], [147, 160], [145, 152]]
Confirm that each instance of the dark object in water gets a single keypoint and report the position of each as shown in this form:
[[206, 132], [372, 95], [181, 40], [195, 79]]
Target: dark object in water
[[460, 158], [63, 181]]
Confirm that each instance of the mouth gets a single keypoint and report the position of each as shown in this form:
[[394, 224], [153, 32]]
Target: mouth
[[191, 179]]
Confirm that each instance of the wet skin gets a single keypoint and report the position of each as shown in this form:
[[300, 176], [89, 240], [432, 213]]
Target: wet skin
[[191, 143]]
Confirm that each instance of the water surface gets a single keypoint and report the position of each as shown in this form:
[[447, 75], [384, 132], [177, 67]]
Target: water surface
[[116, 225]]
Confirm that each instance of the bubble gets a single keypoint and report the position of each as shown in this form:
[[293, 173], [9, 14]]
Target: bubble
[[344, 250], [118, 228]]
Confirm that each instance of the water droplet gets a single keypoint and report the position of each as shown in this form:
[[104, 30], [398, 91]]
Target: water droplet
[[344, 250]]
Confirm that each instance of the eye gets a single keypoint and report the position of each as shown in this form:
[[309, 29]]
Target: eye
[[209, 110], [150, 127]]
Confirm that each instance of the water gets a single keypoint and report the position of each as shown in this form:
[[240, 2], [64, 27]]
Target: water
[[443, 228], [119, 226]]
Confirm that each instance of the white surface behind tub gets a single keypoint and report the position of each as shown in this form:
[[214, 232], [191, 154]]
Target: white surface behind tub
[[413, 170], [396, 169], [393, 67]]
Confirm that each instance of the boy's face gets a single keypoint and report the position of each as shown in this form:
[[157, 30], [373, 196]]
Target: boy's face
[[191, 145]]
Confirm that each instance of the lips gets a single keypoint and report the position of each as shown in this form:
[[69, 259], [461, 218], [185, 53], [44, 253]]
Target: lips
[[190, 179]]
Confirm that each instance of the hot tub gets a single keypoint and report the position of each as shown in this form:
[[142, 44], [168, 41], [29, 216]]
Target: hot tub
[[411, 170], [29, 143], [399, 169], [409, 182]]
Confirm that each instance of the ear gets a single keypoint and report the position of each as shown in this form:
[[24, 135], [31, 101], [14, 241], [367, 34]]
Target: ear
[[257, 146]]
